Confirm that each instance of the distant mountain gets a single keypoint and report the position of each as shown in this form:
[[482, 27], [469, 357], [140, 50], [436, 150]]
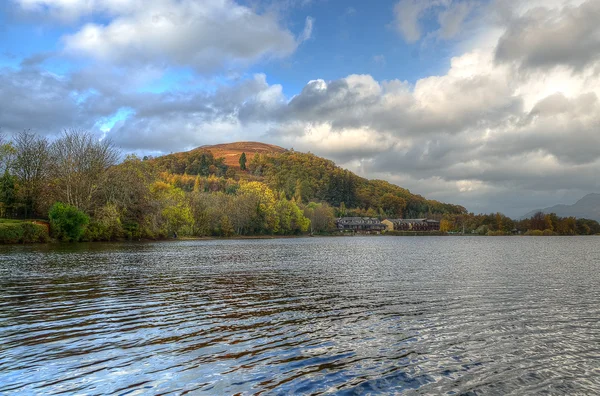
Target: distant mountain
[[587, 207]]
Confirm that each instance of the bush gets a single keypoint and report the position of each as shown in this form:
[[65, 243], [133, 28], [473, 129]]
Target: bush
[[131, 230], [106, 226], [67, 223], [34, 233], [534, 233], [23, 232]]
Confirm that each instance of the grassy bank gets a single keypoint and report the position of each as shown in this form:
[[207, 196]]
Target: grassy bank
[[23, 231]]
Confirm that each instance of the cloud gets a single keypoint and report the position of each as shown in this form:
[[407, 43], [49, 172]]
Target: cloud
[[509, 125], [46, 103], [452, 19], [549, 37], [450, 15], [308, 28], [208, 35], [379, 60]]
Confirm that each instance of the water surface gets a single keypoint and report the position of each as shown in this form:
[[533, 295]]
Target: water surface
[[353, 315]]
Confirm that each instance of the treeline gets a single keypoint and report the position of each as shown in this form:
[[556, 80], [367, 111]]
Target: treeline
[[499, 224], [77, 185]]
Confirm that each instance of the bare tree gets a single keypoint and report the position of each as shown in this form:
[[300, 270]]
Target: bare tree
[[80, 166], [31, 167], [7, 153]]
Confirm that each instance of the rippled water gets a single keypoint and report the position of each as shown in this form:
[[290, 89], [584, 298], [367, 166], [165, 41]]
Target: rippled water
[[354, 315]]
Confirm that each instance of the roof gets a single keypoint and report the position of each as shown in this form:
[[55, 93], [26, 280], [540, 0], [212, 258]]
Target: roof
[[359, 221], [404, 221]]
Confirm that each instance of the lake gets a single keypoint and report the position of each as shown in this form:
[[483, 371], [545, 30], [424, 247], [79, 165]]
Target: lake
[[348, 315]]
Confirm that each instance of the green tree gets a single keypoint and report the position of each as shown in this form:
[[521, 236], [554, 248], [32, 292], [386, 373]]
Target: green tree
[[8, 194], [67, 222], [226, 227], [243, 161]]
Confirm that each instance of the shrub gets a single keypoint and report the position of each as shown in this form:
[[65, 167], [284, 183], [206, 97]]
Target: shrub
[[11, 233], [534, 233], [106, 225], [23, 232], [67, 223], [34, 233], [131, 230]]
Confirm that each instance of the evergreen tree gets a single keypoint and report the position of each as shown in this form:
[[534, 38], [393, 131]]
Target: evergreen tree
[[243, 161]]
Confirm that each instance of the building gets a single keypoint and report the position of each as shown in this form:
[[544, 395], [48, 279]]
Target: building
[[411, 225], [364, 225]]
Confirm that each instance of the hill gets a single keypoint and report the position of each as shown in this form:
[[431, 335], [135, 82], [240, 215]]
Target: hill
[[302, 176], [231, 151], [587, 207]]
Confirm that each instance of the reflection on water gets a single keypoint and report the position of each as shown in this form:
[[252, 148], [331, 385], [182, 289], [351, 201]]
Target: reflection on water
[[342, 315]]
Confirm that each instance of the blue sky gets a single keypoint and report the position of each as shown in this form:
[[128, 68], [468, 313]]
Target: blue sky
[[491, 104]]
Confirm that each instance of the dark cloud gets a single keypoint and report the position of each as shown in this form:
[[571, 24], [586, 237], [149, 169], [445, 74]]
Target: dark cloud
[[547, 37], [44, 102]]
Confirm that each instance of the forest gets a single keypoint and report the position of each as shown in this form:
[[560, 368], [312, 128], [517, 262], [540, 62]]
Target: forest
[[79, 188]]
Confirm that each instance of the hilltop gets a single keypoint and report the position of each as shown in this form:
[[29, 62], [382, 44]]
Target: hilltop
[[231, 151], [587, 207]]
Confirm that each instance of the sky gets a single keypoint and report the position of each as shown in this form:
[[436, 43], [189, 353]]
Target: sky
[[493, 105]]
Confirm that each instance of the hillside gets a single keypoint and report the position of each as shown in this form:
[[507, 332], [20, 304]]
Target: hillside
[[587, 207], [302, 176], [231, 151]]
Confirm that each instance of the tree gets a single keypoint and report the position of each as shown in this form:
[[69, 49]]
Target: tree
[[264, 217], [393, 205], [79, 167], [175, 214], [243, 161], [129, 191], [291, 218], [321, 217], [7, 154], [67, 222], [538, 221], [30, 166], [8, 194], [445, 225], [226, 227]]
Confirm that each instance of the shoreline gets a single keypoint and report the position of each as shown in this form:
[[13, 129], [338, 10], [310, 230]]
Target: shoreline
[[263, 237]]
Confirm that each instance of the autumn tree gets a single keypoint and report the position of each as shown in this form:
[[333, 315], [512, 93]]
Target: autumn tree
[[445, 225], [321, 217], [264, 218], [393, 205]]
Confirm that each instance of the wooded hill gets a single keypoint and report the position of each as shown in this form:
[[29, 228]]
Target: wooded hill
[[78, 187], [302, 176]]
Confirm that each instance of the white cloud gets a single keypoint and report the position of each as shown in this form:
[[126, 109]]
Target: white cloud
[[208, 35], [308, 28]]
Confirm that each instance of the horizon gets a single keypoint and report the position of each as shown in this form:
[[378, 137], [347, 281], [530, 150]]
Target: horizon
[[459, 101]]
